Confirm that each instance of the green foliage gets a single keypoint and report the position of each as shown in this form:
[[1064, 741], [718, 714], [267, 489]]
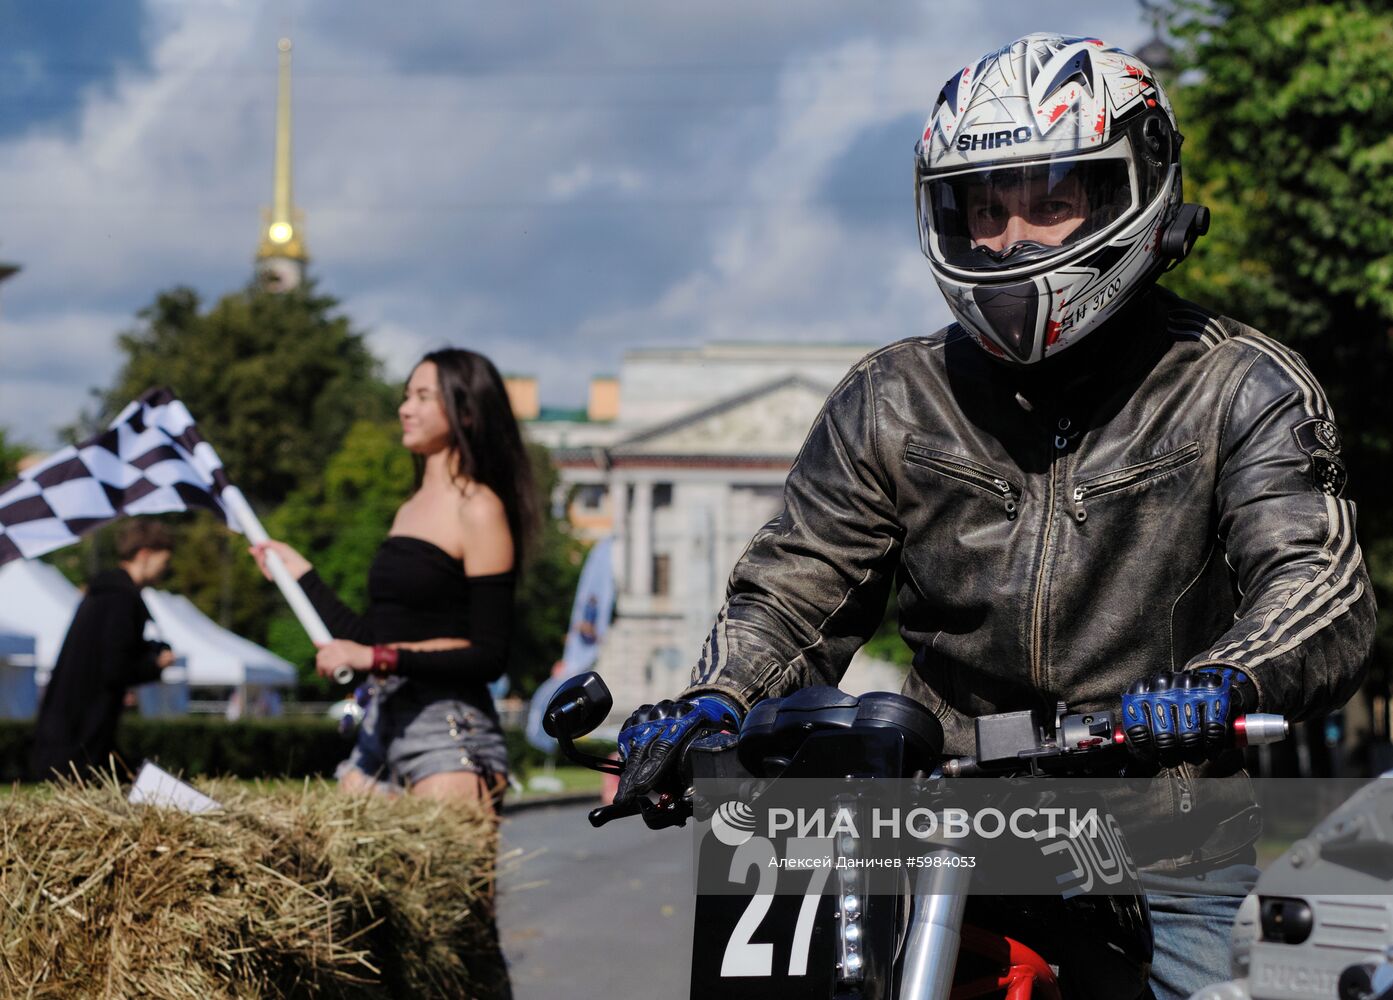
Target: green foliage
[[289, 747], [337, 521], [343, 517], [887, 644], [10, 454], [287, 392], [274, 380], [524, 758], [206, 745], [1287, 110]]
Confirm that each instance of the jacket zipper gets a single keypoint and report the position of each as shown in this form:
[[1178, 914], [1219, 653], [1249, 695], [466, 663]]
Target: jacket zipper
[[1037, 611], [1114, 481], [1008, 492]]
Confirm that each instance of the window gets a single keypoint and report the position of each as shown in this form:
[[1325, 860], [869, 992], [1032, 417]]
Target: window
[[662, 495], [662, 575], [591, 496]]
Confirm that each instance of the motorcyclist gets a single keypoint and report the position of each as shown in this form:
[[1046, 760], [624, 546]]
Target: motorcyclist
[[1085, 489]]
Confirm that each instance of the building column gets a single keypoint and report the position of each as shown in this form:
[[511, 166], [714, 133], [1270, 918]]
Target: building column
[[641, 541]]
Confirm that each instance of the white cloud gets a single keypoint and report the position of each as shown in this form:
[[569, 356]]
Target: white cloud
[[552, 185], [584, 178], [48, 363]]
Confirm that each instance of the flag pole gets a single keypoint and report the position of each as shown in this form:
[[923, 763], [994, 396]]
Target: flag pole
[[294, 594]]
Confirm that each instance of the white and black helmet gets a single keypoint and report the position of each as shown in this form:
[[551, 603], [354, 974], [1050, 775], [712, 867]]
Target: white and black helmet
[[1054, 117]]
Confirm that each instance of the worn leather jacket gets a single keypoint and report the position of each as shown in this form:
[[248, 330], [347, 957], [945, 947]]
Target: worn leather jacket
[[1166, 494]]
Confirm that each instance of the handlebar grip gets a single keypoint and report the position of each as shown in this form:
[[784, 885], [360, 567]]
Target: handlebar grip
[[603, 814], [1253, 730]]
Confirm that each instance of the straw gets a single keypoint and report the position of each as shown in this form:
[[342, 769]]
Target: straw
[[302, 892]]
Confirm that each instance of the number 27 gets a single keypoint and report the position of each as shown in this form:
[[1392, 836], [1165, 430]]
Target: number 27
[[744, 957]]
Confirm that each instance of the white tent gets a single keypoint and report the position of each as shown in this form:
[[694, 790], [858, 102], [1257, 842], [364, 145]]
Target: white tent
[[215, 657], [37, 600]]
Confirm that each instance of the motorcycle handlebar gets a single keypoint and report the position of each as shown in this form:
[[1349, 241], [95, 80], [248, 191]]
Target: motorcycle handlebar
[[1256, 729]]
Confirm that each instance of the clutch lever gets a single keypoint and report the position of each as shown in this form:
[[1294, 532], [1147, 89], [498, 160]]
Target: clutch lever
[[604, 814], [667, 811]]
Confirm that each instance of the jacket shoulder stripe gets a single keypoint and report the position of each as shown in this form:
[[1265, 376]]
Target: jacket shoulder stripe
[[1290, 362], [1313, 604], [1195, 324]]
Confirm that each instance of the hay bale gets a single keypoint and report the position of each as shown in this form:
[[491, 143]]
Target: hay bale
[[282, 892]]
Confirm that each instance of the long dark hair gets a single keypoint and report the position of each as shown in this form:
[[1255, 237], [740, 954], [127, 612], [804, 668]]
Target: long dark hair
[[485, 436]]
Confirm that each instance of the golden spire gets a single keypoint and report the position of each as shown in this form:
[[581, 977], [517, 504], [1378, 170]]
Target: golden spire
[[282, 238]]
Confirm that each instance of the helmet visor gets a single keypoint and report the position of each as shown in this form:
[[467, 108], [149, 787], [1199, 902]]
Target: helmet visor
[[1004, 217]]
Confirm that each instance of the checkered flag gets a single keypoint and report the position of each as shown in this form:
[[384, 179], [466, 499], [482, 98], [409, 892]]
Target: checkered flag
[[151, 460]]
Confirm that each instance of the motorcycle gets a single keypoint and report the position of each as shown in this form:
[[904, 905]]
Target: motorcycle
[[919, 935]]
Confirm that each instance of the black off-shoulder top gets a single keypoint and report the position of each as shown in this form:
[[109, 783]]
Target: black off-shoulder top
[[418, 591]]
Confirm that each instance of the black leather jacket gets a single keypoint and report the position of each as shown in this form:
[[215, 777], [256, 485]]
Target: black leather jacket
[[1164, 495]]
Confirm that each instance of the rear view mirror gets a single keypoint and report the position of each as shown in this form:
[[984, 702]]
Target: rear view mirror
[[579, 705]]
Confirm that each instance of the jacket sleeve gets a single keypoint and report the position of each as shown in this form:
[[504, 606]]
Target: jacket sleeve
[[128, 657], [146, 668], [1304, 627], [811, 586], [339, 619]]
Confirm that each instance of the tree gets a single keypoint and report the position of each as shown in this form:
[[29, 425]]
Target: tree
[[274, 381], [10, 454], [338, 521], [1287, 110]]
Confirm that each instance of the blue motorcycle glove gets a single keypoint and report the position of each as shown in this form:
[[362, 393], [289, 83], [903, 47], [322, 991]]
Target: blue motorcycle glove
[[654, 741], [1185, 716]]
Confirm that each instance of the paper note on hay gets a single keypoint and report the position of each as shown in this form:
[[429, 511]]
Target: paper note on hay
[[155, 786]]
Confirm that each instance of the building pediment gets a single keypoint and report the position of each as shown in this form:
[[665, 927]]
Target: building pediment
[[769, 422]]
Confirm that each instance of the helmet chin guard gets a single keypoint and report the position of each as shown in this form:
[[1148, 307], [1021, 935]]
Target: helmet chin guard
[[1048, 192]]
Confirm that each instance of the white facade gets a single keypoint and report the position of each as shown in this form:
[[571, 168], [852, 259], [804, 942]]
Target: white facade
[[693, 466]]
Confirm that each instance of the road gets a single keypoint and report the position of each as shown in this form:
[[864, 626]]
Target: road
[[591, 914]]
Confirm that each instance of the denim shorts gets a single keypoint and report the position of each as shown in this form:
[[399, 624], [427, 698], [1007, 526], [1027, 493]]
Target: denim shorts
[[410, 733]]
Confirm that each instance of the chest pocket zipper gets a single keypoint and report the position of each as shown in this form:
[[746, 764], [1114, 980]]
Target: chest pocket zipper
[[984, 479], [1131, 476]]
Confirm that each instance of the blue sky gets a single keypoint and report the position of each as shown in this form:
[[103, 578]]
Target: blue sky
[[548, 183]]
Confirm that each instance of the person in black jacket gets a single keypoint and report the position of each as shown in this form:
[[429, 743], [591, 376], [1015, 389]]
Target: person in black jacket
[[1085, 490], [104, 654]]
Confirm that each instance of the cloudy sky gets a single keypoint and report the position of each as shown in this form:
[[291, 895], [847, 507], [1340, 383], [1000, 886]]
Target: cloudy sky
[[548, 183]]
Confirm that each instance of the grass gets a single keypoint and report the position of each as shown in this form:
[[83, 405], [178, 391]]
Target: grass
[[573, 779]]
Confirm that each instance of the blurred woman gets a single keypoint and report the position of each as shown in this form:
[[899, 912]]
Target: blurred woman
[[437, 628]]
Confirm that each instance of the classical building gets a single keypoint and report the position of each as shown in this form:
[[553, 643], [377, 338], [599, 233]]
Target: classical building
[[690, 464]]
